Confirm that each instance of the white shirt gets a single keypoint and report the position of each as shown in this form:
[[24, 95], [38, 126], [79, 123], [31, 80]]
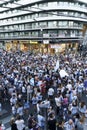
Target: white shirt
[[20, 124], [51, 91], [58, 101], [38, 108], [20, 110], [13, 100], [69, 86], [41, 120]]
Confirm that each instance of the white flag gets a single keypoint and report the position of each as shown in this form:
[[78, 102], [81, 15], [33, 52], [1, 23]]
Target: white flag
[[57, 66]]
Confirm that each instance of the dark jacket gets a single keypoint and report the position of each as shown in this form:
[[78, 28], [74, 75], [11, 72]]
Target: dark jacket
[[14, 127]]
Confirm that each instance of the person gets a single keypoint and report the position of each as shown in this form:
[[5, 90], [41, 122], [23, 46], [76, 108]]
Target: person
[[0, 108], [80, 124], [69, 125], [13, 124], [30, 121], [35, 126], [20, 123], [82, 108], [50, 93], [41, 121], [60, 126], [2, 127], [26, 106], [51, 122], [20, 110], [13, 100], [58, 103], [74, 108]]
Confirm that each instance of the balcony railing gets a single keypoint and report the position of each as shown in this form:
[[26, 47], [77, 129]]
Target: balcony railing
[[35, 37], [39, 28]]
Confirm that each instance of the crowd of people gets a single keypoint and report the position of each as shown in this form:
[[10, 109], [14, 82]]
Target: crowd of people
[[48, 88]]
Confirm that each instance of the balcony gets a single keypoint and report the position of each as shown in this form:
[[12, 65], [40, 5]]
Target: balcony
[[38, 28], [40, 38]]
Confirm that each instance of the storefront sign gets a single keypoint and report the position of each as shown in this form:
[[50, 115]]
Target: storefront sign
[[56, 46], [46, 41], [33, 42]]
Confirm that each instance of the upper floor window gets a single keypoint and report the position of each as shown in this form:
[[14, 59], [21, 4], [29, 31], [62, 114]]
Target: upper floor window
[[63, 23], [71, 3], [70, 23], [43, 5]]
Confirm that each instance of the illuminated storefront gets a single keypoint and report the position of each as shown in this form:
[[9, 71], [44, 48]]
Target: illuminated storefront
[[35, 46]]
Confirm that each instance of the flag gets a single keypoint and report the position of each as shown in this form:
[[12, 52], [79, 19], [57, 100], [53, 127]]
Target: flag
[[57, 66]]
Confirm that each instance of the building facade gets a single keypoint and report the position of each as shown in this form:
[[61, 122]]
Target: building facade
[[26, 23]]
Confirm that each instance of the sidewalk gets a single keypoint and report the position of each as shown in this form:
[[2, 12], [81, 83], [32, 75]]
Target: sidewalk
[[4, 113]]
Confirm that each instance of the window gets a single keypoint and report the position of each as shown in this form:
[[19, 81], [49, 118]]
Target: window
[[26, 33], [42, 24], [33, 16], [83, 15], [33, 25], [43, 14], [61, 33], [66, 3], [22, 17], [50, 24], [54, 23], [71, 3], [15, 19], [65, 13], [62, 23], [52, 33], [16, 26], [28, 25], [71, 13], [61, 3], [71, 23], [40, 5], [43, 4], [77, 14]]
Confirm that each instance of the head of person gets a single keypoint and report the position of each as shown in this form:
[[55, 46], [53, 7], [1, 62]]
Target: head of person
[[70, 121], [12, 120]]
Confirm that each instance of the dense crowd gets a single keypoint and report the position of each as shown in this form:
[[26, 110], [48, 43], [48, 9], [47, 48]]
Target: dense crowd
[[34, 86]]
